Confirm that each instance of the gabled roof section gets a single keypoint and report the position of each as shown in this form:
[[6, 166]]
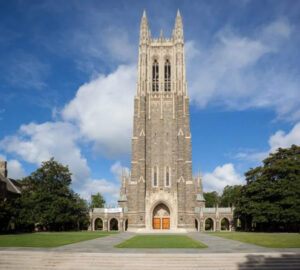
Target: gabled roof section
[[10, 186]]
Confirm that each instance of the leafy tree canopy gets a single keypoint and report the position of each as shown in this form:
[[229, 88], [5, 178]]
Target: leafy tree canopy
[[271, 197], [97, 201], [211, 198], [230, 195], [48, 201]]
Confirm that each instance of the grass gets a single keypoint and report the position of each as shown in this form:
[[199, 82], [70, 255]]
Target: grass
[[161, 241], [270, 240], [51, 239]]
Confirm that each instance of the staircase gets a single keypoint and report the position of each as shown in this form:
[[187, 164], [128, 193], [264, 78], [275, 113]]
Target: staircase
[[40, 260]]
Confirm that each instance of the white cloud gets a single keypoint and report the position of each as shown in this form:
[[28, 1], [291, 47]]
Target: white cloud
[[240, 72], [15, 169], [220, 177], [36, 143], [117, 168], [284, 140], [103, 111], [277, 140], [106, 188]]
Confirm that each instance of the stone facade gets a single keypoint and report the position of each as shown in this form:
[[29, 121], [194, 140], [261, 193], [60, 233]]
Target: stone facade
[[161, 192]]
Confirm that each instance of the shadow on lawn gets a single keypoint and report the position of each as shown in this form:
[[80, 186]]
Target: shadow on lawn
[[284, 261]]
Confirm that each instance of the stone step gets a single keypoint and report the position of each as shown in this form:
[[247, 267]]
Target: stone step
[[81, 261]]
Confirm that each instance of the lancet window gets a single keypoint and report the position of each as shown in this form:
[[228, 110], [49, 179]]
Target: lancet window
[[155, 76], [167, 76], [167, 177], [155, 176]]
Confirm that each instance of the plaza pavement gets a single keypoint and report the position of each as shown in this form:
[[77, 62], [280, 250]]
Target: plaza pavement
[[100, 254]]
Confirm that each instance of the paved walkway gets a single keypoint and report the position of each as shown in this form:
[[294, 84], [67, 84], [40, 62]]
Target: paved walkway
[[106, 245], [223, 254]]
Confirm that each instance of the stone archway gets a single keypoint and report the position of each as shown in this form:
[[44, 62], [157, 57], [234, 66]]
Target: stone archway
[[161, 217], [225, 224], [209, 224], [98, 225], [113, 224]]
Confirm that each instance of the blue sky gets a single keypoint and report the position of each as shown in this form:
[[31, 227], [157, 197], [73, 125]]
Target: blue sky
[[68, 74]]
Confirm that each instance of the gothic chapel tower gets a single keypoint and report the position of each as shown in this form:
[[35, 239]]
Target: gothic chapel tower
[[160, 192]]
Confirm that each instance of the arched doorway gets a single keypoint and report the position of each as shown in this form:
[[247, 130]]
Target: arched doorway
[[126, 225], [113, 224], [161, 217], [98, 224], [224, 224], [209, 224], [196, 225]]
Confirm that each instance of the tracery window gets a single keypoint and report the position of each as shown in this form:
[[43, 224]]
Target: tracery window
[[155, 76], [167, 76]]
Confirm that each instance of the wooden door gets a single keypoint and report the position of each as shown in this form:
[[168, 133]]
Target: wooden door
[[166, 223], [156, 223]]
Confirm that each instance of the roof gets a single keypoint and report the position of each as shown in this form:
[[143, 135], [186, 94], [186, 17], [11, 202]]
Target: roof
[[11, 184]]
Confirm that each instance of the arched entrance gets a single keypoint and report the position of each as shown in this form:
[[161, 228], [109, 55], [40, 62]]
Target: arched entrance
[[196, 225], [224, 224], [161, 217], [98, 224], [113, 224], [126, 225], [209, 224]]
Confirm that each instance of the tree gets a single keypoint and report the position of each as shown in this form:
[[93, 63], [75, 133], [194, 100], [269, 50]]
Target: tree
[[47, 200], [97, 201], [230, 195], [211, 198], [271, 198]]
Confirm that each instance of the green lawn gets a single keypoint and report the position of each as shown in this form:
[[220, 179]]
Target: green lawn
[[271, 240], [161, 241], [51, 239]]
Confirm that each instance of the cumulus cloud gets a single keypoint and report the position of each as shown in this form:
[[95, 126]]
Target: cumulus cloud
[[36, 143], [116, 169], [221, 177], [240, 72], [15, 169], [284, 140], [103, 111], [277, 140], [106, 188]]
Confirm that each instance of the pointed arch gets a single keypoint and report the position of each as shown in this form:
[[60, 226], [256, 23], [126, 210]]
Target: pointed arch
[[155, 76], [167, 76], [98, 224]]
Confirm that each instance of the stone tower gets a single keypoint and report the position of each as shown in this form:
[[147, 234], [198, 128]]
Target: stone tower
[[160, 192]]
